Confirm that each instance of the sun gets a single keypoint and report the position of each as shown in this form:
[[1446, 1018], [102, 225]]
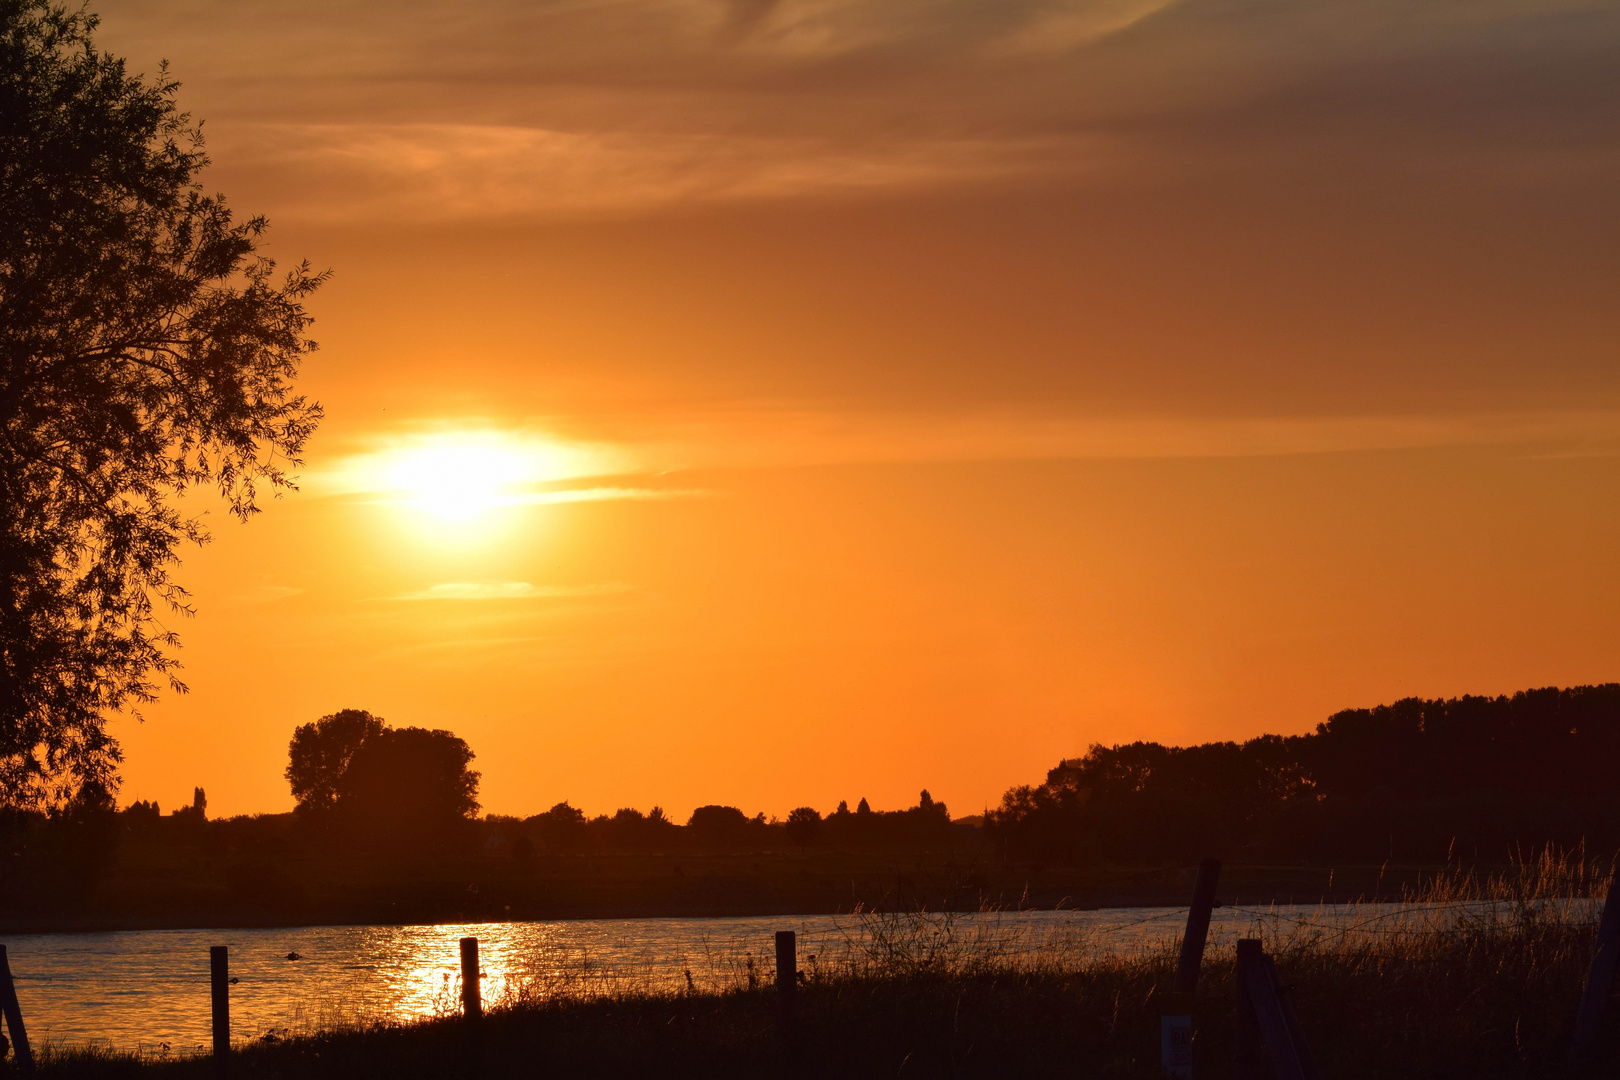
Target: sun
[[458, 480]]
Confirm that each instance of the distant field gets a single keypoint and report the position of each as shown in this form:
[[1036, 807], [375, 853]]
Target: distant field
[[193, 886]]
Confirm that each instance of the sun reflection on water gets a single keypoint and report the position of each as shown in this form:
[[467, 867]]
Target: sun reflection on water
[[149, 989]]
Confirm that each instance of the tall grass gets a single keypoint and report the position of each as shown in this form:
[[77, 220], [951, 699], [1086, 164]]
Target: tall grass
[[1472, 975]]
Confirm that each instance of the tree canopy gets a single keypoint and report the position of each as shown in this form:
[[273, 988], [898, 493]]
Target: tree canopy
[[390, 788], [408, 788], [146, 346], [1416, 779], [320, 752]]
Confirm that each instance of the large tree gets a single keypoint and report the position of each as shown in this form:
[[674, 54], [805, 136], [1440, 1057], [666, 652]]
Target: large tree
[[146, 346], [408, 788], [319, 754]]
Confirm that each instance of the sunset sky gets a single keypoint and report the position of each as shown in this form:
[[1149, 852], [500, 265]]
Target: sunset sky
[[770, 402]]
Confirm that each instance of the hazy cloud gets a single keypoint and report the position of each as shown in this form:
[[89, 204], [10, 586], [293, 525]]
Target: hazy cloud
[[432, 110], [510, 590], [788, 437]]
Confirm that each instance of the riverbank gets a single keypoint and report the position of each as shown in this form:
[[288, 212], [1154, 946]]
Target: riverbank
[[197, 888], [1479, 979]]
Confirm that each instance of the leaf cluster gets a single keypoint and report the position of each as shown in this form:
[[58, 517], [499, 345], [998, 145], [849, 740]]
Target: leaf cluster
[[146, 346]]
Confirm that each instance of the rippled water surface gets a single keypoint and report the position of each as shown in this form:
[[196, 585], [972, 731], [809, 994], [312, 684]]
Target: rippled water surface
[[148, 988]]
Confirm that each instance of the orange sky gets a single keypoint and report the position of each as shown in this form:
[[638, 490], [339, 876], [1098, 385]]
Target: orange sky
[[777, 402]]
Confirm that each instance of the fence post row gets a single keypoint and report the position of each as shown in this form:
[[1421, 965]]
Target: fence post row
[[1599, 977], [1176, 1009], [219, 973], [1267, 1028], [472, 1000], [13, 1015]]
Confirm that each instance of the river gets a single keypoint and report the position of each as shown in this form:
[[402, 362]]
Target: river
[[149, 989]]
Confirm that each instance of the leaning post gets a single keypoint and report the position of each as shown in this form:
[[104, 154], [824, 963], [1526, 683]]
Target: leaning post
[[13, 1015], [1599, 977], [219, 973], [472, 1001], [1175, 1019]]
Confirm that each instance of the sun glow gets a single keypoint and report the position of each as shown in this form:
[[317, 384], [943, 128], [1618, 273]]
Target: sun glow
[[458, 477], [459, 481]]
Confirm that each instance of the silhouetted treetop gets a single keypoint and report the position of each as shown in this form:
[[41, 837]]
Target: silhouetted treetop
[[320, 753], [1410, 779], [146, 346], [407, 785], [803, 824], [717, 820]]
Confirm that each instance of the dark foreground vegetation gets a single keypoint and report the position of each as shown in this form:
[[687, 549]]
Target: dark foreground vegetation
[[1480, 983]]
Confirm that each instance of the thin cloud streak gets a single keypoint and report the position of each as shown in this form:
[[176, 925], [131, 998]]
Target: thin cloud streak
[[510, 590], [789, 437], [445, 172]]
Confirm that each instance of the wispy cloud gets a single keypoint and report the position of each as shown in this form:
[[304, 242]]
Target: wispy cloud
[[788, 436], [615, 105], [599, 494], [510, 590], [521, 457], [433, 172]]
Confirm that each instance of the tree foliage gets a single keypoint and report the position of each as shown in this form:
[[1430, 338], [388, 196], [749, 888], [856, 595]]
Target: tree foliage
[[383, 787], [320, 752], [146, 346], [1417, 779], [408, 788]]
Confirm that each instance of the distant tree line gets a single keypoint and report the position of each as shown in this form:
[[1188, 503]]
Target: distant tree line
[[1417, 780], [565, 829]]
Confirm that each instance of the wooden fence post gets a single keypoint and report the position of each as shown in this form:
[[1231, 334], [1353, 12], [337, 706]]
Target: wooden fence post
[[1296, 1035], [219, 973], [787, 988], [1175, 1012], [472, 1001], [1192, 942], [1267, 1028], [13, 1015], [1249, 1061], [1599, 977]]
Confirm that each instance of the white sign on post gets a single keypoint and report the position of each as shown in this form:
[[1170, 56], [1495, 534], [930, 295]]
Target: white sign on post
[[1175, 1046]]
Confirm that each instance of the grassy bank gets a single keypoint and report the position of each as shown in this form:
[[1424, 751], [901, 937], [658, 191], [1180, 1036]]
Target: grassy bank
[[1476, 978]]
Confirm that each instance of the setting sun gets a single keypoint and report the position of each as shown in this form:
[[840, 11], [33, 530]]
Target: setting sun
[[459, 481]]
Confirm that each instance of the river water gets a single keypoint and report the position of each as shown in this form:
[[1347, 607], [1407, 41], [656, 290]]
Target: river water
[[149, 989]]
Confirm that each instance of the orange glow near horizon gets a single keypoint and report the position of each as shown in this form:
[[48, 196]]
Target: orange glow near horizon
[[778, 404]]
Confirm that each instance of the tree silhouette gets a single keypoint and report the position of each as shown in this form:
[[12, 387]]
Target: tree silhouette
[[717, 824], [1423, 779], [320, 752], [145, 347], [803, 824], [408, 788]]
